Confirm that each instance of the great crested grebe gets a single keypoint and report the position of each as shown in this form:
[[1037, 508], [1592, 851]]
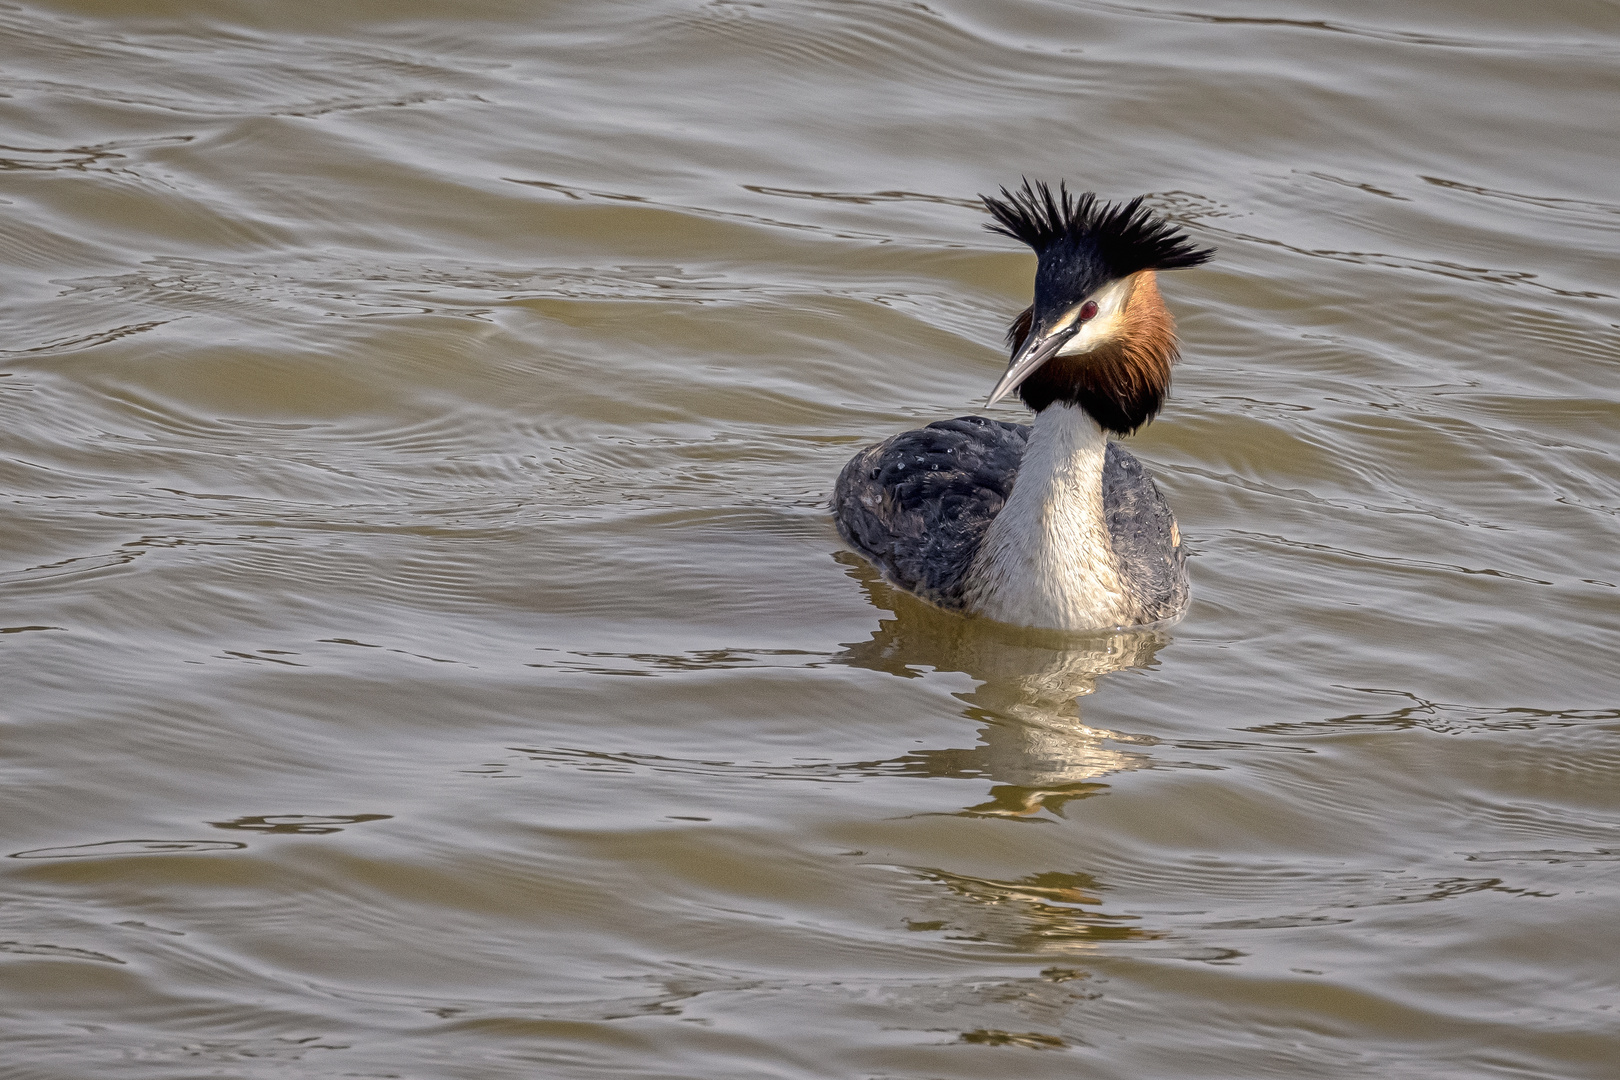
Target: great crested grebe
[[1050, 525]]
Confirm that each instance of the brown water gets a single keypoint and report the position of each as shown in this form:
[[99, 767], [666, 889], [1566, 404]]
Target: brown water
[[428, 654]]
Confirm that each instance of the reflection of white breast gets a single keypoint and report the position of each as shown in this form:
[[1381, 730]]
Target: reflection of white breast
[[1046, 559], [1041, 744]]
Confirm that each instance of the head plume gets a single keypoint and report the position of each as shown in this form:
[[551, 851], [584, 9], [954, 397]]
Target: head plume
[[1125, 237], [1098, 334]]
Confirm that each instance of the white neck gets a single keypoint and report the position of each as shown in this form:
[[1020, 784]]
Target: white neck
[[1046, 559]]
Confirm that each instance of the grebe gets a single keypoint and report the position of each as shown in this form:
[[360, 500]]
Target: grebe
[[1050, 525]]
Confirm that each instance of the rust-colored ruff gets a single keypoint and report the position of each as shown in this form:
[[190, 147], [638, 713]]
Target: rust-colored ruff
[[1121, 383]]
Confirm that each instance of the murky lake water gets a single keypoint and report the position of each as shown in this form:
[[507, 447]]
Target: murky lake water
[[428, 654]]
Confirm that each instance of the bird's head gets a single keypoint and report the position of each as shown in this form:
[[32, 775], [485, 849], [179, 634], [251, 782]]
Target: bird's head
[[1097, 335]]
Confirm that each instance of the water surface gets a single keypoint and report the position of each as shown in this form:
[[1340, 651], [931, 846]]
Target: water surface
[[427, 652]]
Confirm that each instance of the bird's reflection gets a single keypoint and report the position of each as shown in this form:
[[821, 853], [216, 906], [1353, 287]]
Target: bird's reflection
[[1035, 748]]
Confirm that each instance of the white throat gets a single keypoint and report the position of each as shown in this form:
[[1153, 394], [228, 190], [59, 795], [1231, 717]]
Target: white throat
[[1046, 559]]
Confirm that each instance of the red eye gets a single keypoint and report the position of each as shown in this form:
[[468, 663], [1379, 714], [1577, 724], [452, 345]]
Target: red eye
[[1088, 310]]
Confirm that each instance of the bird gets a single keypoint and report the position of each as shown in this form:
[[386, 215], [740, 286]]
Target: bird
[[1052, 524]]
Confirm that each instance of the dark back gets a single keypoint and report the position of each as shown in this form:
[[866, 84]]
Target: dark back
[[918, 505]]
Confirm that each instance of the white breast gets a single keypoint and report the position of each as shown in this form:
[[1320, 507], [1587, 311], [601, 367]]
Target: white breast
[[1046, 559]]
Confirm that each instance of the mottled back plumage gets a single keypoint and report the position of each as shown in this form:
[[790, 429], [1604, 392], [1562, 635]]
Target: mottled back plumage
[[1145, 538], [917, 506]]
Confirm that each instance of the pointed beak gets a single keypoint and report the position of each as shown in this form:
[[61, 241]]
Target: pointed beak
[[1037, 350]]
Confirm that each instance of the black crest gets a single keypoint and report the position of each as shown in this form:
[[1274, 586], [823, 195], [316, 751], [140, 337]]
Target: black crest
[[1123, 237]]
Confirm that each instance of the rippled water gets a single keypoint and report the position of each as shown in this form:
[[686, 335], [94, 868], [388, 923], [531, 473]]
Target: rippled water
[[427, 652]]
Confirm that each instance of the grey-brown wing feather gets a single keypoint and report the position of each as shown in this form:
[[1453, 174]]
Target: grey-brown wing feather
[[1146, 542], [917, 505]]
